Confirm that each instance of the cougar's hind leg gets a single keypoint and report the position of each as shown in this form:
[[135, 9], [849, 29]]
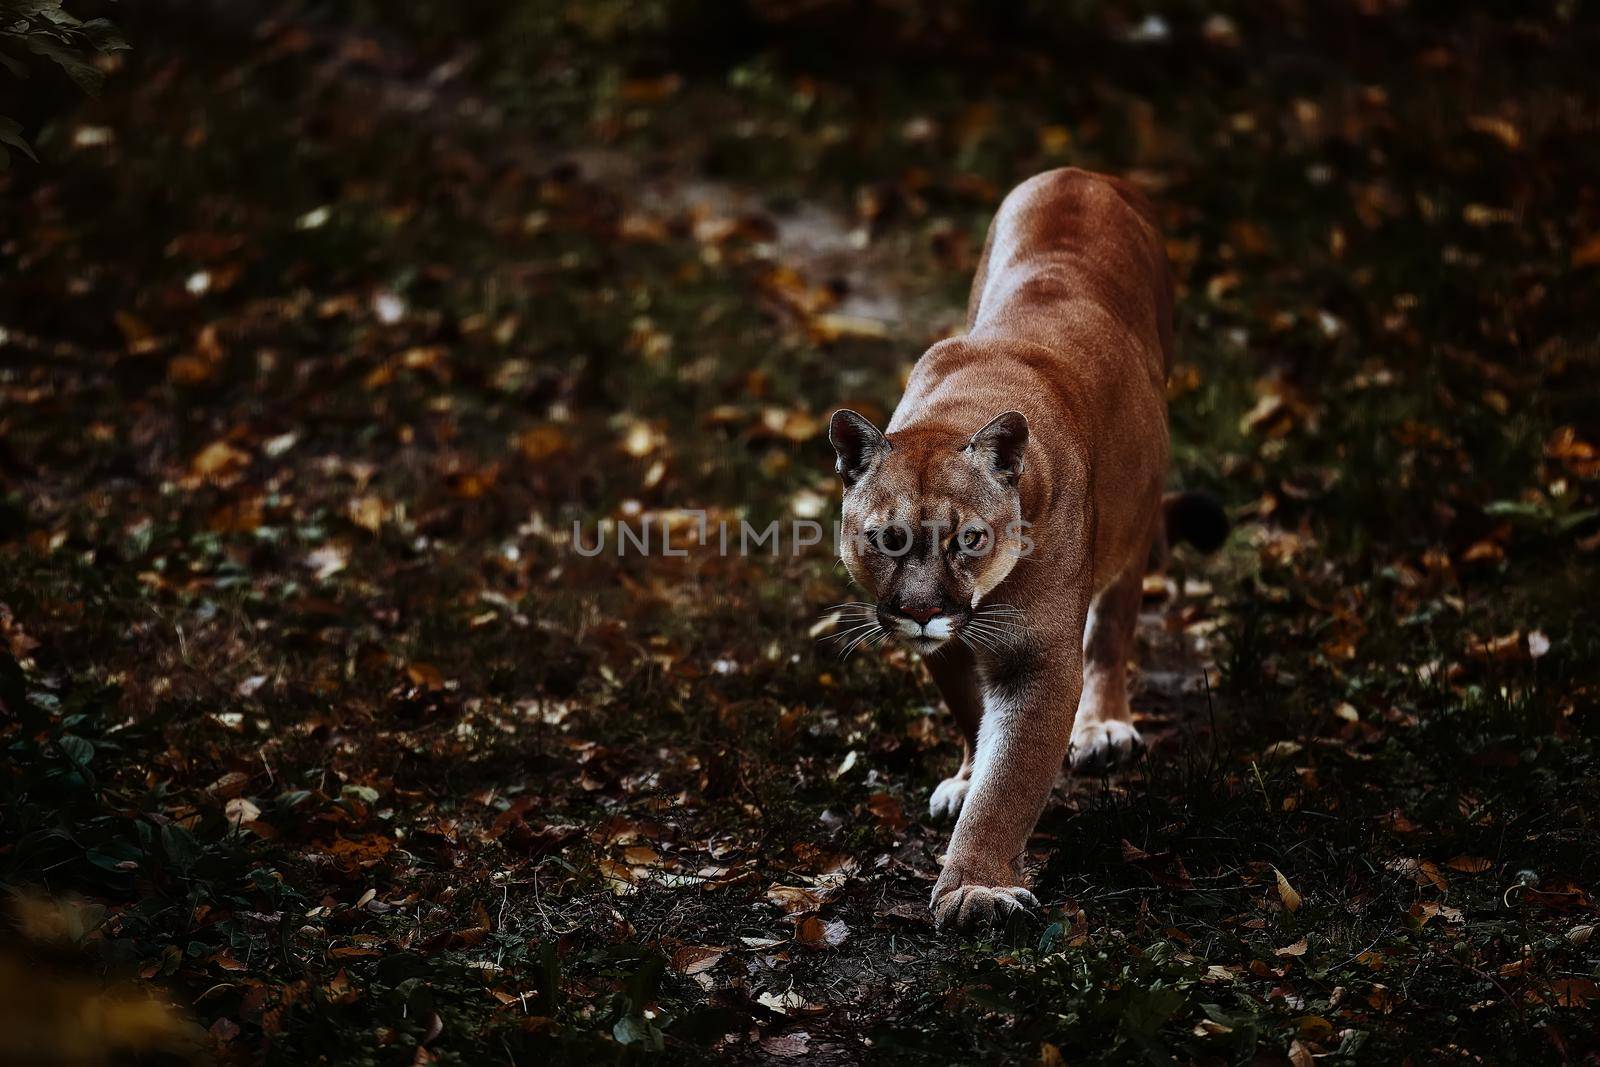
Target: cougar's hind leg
[[1103, 734]]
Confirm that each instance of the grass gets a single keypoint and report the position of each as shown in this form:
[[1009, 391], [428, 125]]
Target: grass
[[318, 731]]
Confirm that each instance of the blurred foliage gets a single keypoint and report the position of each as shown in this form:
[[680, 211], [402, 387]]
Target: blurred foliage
[[45, 28]]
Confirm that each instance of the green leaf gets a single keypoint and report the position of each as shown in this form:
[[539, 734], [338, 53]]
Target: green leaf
[[86, 75], [1515, 509], [179, 845], [79, 751], [12, 133], [636, 1030], [1147, 1010]]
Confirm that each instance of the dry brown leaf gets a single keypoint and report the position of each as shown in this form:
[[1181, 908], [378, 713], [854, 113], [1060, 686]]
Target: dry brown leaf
[[814, 932], [229, 785], [425, 675], [641, 856], [694, 959], [793, 899], [787, 1046], [886, 808]]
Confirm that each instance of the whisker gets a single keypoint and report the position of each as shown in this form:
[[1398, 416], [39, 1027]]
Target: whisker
[[856, 642], [983, 640], [844, 635], [995, 638], [843, 618], [997, 626]]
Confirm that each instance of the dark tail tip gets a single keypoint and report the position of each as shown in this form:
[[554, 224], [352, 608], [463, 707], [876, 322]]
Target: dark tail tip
[[1197, 519]]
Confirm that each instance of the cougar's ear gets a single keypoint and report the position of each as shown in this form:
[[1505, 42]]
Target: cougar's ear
[[1001, 443], [857, 443]]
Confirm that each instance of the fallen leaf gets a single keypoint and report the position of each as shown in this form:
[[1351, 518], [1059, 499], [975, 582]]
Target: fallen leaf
[[218, 458], [886, 808], [240, 811], [425, 675], [1279, 750], [815, 932], [694, 959], [793, 899], [788, 1003], [229, 785], [1287, 893], [787, 1046]]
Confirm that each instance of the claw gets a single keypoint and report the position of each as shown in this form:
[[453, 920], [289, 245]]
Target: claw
[[1104, 744], [947, 798], [968, 907]]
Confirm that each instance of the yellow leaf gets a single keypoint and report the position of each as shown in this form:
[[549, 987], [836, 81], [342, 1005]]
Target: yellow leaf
[[425, 675], [542, 442], [1286, 893], [218, 457]]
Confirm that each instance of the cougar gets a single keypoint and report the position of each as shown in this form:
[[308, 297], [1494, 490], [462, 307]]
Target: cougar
[[1005, 519]]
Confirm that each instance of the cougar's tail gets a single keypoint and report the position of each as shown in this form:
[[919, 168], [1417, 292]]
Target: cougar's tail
[[1196, 519]]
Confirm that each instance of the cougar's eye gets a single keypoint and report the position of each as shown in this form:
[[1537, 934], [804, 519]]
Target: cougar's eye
[[891, 540], [973, 540]]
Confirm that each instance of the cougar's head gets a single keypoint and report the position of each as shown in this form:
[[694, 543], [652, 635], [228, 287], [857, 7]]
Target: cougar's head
[[932, 522]]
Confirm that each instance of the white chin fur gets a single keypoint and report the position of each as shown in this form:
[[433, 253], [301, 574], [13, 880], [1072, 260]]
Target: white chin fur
[[934, 630]]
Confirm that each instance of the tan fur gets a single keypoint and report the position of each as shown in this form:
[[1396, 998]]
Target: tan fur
[[1069, 323]]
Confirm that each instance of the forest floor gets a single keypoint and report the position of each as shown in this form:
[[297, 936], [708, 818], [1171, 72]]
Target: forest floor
[[322, 744]]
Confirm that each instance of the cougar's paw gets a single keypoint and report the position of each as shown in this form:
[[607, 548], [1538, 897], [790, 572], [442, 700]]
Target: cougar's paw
[[971, 907], [948, 796], [962, 901], [1104, 743]]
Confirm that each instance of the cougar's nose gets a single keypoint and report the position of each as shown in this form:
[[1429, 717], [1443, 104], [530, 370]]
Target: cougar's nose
[[919, 614]]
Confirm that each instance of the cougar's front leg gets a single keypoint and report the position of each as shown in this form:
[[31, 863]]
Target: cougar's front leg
[[955, 672], [1022, 739]]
